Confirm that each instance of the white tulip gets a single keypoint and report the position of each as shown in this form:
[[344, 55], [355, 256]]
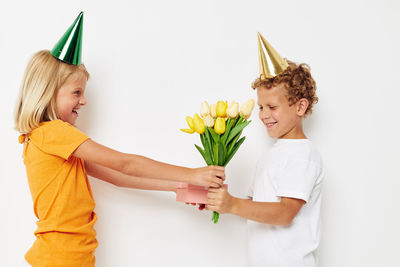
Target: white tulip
[[247, 108], [204, 109], [213, 110], [233, 109], [208, 121]]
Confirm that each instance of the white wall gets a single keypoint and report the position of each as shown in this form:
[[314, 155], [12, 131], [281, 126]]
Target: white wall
[[153, 62]]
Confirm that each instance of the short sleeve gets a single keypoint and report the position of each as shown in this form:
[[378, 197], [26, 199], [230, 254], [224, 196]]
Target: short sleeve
[[250, 191], [297, 179], [58, 138]]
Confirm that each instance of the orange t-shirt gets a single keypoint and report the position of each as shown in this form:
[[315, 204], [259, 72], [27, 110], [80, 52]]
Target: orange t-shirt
[[62, 197]]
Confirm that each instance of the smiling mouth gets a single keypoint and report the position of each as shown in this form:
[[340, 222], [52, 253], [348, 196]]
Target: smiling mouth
[[270, 124], [75, 112]]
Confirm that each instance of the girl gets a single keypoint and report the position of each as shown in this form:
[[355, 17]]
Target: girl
[[58, 157]]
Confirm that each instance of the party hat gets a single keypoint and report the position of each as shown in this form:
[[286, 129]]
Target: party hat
[[69, 47], [273, 66]]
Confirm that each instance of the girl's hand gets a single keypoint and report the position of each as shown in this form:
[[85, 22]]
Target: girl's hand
[[210, 176], [219, 200]]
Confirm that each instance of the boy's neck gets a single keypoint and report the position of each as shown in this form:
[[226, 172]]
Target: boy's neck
[[303, 136], [295, 133]]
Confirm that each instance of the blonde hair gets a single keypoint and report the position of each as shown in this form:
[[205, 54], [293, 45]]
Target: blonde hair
[[36, 101]]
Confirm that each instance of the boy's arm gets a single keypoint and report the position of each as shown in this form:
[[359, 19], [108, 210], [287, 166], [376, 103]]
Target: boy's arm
[[123, 180], [136, 165], [277, 213]]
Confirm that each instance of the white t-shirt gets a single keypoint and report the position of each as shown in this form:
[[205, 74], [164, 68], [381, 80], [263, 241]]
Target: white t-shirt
[[291, 168]]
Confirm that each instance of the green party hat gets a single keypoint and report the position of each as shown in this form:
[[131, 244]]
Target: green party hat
[[68, 49]]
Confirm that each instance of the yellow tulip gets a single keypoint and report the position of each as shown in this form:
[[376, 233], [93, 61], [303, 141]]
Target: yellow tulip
[[221, 108], [208, 121], [247, 108], [233, 109], [213, 110], [198, 124], [219, 126], [189, 131], [189, 121], [204, 109]]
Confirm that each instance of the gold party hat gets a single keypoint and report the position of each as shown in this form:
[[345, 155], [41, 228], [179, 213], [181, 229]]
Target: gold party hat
[[272, 67]]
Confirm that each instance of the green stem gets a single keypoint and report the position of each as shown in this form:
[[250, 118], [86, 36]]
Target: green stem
[[215, 217]]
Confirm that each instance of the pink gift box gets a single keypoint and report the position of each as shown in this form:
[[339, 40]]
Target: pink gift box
[[192, 193]]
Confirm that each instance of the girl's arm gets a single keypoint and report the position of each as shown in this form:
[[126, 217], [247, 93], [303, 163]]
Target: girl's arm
[[119, 179], [277, 213], [136, 165]]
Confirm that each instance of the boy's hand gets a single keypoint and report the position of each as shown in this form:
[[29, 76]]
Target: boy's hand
[[219, 200], [210, 176]]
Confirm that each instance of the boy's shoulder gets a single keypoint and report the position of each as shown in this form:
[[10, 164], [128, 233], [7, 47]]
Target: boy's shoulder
[[295, 150]]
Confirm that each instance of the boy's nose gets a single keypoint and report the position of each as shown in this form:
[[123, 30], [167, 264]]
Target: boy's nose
[[265, 114], [82, 101]]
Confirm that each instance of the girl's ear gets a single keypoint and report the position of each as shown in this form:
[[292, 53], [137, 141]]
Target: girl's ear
[[302, 106]]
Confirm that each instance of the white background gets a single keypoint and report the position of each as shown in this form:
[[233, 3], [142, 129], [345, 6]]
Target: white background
[[153, 62]]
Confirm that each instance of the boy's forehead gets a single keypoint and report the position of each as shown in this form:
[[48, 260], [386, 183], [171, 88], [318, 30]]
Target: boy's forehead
[[274, 94]]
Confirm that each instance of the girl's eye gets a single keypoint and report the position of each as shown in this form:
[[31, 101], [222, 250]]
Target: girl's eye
[[261, 108], [272, 107], [77, 92]]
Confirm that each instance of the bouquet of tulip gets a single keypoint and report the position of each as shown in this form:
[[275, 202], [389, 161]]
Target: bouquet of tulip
[[220, 127]]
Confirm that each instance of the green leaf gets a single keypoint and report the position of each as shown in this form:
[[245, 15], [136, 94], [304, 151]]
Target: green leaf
[[202, 138], [240, 120], [233, 142], [237, 129], [205, 155], [229, 125], [199, 149], [201, 152], [216, 154], [207, 148], [221, 154], [234, 150], [214, 135], [209, 144]]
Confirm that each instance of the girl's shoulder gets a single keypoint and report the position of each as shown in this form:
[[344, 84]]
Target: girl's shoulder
[[53, 123], [51, 126], [54, 130], [57, 138]]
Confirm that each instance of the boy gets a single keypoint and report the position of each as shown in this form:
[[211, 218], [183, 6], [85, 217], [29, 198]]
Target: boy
[[283, 209]]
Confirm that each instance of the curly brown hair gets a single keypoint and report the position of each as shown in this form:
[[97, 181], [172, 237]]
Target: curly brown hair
[[298, 81]]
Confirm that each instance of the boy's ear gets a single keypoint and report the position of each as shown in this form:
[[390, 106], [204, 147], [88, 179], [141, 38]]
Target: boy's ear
[[302, 106]]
